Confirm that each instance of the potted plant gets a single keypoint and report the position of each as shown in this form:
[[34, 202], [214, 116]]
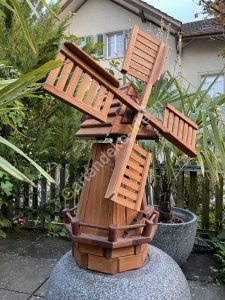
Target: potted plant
[[174, 236]]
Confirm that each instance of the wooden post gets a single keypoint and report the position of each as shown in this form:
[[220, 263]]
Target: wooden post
[[53, 191], [193, 187], [147, 229], [205, 203], [65, 217], [112, 233], [35, 197], [52, 186], [62, 183], [43, 198], [180, 190], [75, 226], [219, 204]]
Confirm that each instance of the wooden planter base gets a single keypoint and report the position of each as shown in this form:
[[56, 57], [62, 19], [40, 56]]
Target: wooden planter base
[[107, 236], [110, 261]]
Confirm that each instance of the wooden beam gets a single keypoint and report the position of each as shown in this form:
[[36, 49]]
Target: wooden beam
[[142, 15], [153, 12]]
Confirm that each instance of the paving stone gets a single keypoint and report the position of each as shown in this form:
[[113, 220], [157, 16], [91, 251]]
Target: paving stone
[[23, 274], [206, 291], [12, 295]]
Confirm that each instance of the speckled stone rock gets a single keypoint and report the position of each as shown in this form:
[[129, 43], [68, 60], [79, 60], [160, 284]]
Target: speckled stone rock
[[177, 240], [160, 279]]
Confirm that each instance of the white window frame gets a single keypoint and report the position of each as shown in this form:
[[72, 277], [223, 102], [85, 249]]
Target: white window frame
[[115, 50], [209, 80]]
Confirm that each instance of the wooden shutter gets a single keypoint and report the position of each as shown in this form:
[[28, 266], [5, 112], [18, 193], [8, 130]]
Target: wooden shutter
[[100, 39], [131, 189]]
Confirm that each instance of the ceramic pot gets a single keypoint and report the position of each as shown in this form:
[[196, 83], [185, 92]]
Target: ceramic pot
[[177, 239]]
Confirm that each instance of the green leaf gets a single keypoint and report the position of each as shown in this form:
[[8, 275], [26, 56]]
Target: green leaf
[[49, 8], [43, 172], [22, 22], [7, 168], [25, 84]]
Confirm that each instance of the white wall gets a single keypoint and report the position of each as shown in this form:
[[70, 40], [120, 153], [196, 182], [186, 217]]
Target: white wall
[[103, 16], [201, 57]]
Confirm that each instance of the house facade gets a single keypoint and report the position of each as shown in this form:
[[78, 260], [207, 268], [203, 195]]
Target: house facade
[[194, 47]]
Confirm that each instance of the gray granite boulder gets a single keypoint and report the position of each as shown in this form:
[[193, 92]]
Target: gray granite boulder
[[177, 240], [160, 279]]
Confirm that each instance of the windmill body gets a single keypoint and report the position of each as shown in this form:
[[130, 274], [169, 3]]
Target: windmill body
[[113, 223]]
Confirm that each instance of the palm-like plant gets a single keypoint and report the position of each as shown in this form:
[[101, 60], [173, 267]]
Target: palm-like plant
[[12, 90], [208, 114]]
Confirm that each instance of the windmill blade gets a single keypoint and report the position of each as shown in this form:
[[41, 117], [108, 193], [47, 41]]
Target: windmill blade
[[83, 84], [176, 128], [145, 58]]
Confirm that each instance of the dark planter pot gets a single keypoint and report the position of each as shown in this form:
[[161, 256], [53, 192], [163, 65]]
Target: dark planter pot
[[177, 240]]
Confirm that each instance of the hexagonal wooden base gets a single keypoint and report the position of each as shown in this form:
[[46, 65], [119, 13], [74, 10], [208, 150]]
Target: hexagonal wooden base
[[110, 261]]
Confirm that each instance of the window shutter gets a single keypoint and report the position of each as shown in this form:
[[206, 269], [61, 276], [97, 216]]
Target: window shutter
[[100, 39], [126, 33], [88, 38]]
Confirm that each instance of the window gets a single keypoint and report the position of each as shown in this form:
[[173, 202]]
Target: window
[[218, 86], [115, 43], [85, 40], [100, 39]]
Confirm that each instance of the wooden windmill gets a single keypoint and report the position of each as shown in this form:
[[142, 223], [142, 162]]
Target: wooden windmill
[[113, 223]]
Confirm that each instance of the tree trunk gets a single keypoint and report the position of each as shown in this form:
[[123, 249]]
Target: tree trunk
[[164, 208]]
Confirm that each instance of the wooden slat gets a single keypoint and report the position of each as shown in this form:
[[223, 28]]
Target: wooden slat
[[159, 64], [131, 174], [148, 43], [175, 125], [64, 75], [185, 132], [91, 62], [180, 129], [145, 50], [143, 181], [127, 58], [125, 202], [129, 262], [127, 193], [76, 103], [137, 158], [147, 36], [140, 69], [102, 80], [142, 62], [100, 97], [140, 150], [189, 137], [94, 123], [179, 144], [174, 139], [193, 140], [107, 104], [90, 133], [180, 115], [54, 73], [83, 87], [102, 264], [122, 160], [91, 92], [170, 123], [74, 81], [166, 117], [130, 183], [142, 55], [137, 75], [135, 166]]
